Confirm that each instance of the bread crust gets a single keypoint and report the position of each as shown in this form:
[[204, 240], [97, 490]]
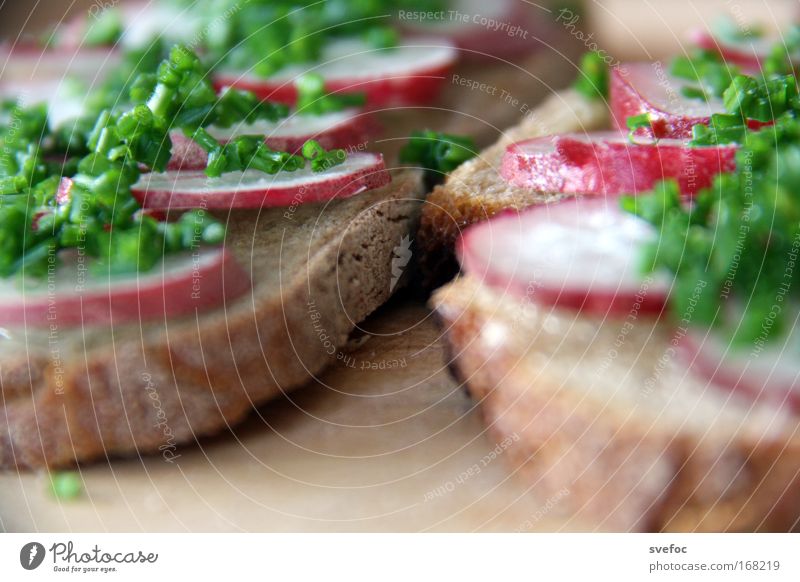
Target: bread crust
[[625, 466], [317, 271]]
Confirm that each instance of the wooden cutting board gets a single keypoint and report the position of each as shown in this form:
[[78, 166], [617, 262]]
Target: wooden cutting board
[[386, 440]]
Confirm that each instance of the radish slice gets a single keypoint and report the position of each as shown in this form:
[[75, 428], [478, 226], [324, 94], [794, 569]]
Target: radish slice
[[770, 373], [33, 75], [499, 29], [253, 189], [580, 253], [410, 74], [145, 21], [749, 54], [180, 285], [62, 103], [607, 163], [342, 129], [29, 63], [638, 88]]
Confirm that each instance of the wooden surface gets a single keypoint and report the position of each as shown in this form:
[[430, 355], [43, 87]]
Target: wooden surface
[[397, 449]]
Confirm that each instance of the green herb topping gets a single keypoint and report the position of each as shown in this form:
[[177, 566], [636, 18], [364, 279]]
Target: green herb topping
[[707, 71], [312, 99], [65, 486], [438, 153], [264, 36], [636, 122], [733, 251], [592, 81], [71, 187]]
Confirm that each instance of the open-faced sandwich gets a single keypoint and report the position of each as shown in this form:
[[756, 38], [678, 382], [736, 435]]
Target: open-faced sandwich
[[628, 317], [145, 281]]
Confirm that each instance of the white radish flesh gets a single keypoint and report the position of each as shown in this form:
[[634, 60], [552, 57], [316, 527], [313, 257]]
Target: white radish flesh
[[342, 129], [412, 73], [763, 373], [580, 253], [254, 189]]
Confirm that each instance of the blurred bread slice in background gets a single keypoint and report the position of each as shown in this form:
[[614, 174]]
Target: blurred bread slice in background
[[18, 19]]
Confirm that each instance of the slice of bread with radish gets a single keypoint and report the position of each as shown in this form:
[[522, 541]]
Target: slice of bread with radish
[[107, 308], [648, 423], [619, 318], [310, 272]]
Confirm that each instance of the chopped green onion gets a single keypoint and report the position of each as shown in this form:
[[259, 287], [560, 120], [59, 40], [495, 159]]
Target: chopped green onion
[[707, 69], [738, 236], [592, 80], [694, 93], [104, 28], [437, 153], [66, 486], [636, 122], [320, 159], [313, 100]]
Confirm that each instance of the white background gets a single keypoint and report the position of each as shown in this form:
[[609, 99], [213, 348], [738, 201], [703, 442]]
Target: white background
[[379, 558]]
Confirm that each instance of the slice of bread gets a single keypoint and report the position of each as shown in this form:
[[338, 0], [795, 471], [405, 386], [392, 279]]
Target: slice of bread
[[475, 191], [317, 270], [603, 416]]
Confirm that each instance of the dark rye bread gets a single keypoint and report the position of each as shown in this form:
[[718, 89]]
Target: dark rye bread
[[475, 191], [317, 271], [618, 431]]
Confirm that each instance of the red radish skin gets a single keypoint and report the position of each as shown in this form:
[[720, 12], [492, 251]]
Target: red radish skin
[[607, 163], [161, 215], [578, 254], [411, 74], [345, 130], [764, 377], [179, 287], [638, 88], [253, 189]]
